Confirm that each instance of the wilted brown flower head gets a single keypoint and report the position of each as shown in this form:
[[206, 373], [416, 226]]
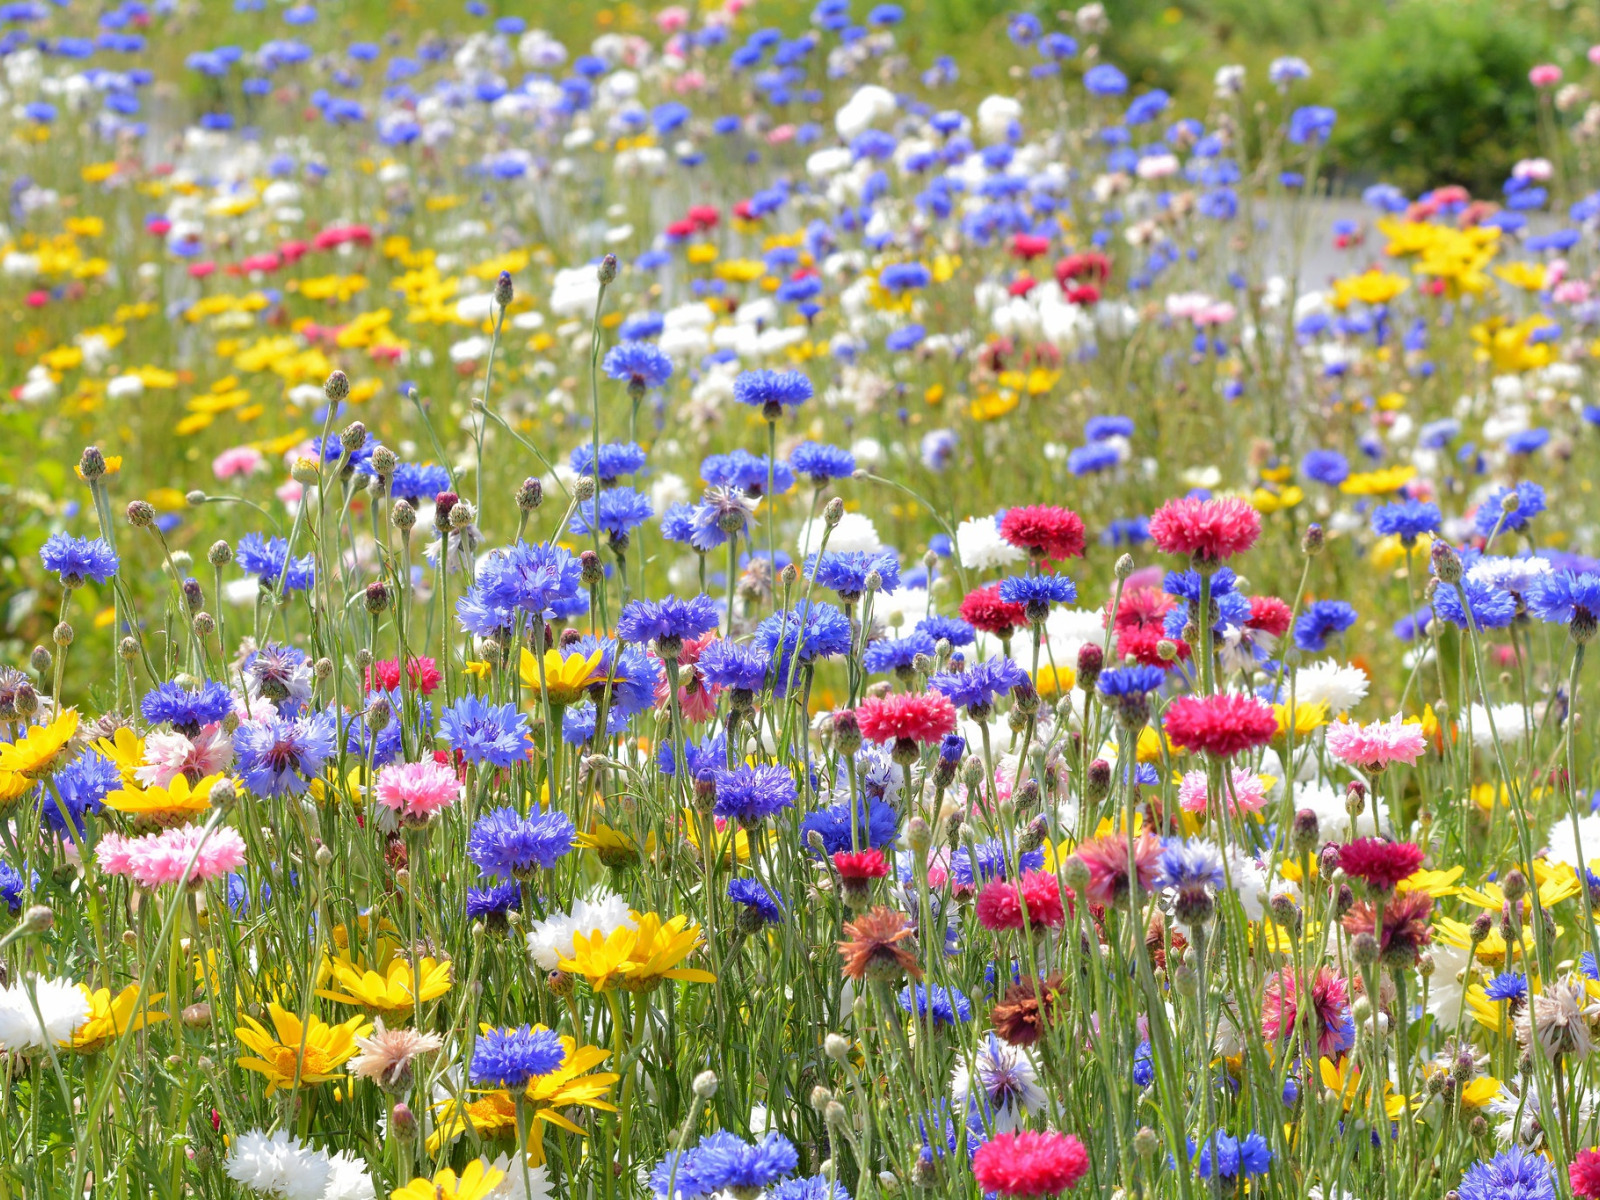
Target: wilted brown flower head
[[1026, 1010]]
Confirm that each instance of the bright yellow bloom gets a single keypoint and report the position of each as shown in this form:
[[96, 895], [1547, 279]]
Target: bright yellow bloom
[[1344, 1079], [13, 786], [33, 754], [391, 991], [566, 675], [476, 1182], [1369, 287], [1559, 885], [638, 959], [1492, 1014], [1510, 346], [613, 847], [1378, 483], [1528, 276], [1480, 1091], [174, 804], [728, 834], [110, 1016], [1052, 681], [125, 748], [1492, 950], [1387, 553], [568, 1086], [327, 1047], [1436, 883], [1307, 718]]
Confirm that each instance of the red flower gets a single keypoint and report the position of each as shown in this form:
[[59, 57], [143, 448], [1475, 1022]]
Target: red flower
[[703, 215], [1029, 245], [1001, 903], [1030, 1164], [1092, 265], [1380, 863], [1085, 294], [860, 865], [1206, 530], [384, 675], [1270, 615], [912, 716], [1022, 285], [1584, 1174], [1219, 725], [983, 609], [1044, 531]]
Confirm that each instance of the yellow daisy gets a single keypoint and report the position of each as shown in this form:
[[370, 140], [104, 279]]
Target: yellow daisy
[[34, 753], [476, 1182], [638, 959], [174, 804], [110, 1016], [326, 1047], [390, 991], [566, 676]]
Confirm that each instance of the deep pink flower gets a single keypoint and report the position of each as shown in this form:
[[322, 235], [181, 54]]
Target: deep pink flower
[[1331, 1022], [923, 717], [1030, 1164], [1248, 794], [1044, 530], [1221, 725], [1205, 530], [1380, 863]]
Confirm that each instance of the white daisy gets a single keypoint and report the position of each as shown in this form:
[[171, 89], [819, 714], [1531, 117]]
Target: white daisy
[[980, 546], [62, 1004], [1328, 682]]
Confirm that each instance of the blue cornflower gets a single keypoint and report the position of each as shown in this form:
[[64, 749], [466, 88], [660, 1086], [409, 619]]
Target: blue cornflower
[[1490, 607], [976, 688], [947, 629], [747, 472], [81, 786], [876, 824], [78, 560], [1190, 864], [1408, 520], [677, 524], [1311, 124], [947, 1005], [268, 560], [709, 755], [1325, 466], [1320, 621], [187, 711], [988, 861], [896, 656], [1130, 681], [1036, 593], [279, 756], [906, 276], [1566, 598], [1098, 429], [1512, 985], [510, 1058], [734, 665], [723, 513], [755, 900], [814, 1187], [1530, 503], [11, 887], [507, 845], [822, 462], [480, 732], [1144, 1071], [1248, 1155], [616, 460], [1513, 1174], [671, 620], [415, 483], [493, 902], [622, 510], [579, 722], [1103, 79], [631, 673], [772, 391], [386, 744], [807, 632], [1096, 456], [541, 579], [753, 793], [674, 1177], [640, 365], [846, 571], [724, 1161]]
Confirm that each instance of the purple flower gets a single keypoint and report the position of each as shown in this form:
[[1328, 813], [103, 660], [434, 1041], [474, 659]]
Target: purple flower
[[753, 793]]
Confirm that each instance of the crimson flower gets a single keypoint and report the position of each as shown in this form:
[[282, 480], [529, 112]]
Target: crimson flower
[[1030, 1164], [1207, 531], [1221, 725], [984, 610], [1044, 531], [1382, 864]]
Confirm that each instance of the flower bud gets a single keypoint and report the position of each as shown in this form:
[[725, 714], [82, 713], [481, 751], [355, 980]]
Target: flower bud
[[503, 291], [377, 597], [583, 488], [195, 498], [384, 461], [1075, 874], [442, 504], [705, 1083], [41, 660], [305, 471], [1515, 885], [337, 387], [1306, 831], [197, 1016], [1124, 566], [1091, 660], [833, 513], [836, 1047], [402, 516], [1446, 562], [62, 634], [204, 625], [462, 515], [38, 919], [91, 463], [1313, 540], [220, 554], [530, 495], [222, 794], [141, 515], [402, 1123], [128, 648], [608, 270], [589, 569]]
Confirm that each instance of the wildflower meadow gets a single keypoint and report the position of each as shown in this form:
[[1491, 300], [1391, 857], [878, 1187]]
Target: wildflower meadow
[[695, 607]]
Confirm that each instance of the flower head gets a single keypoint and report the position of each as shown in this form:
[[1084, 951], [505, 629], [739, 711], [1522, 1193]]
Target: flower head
[[1044, 531], [510, 1058], [1372, 748], [416, 791], [1207, 531], [1220, 725], [507, 845], [1513, 1174], [78, 561], [872, 948], [772, 391], [1030, 1164], [484, 733], [753, 793]]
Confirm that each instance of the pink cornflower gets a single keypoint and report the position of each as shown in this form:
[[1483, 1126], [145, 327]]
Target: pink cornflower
[[672, 18], [1107, 860], [1030, 1164], [1381, 864], [1001, 903], [1371, 748], [1044, 531], [168, 755], [1221, 725], [697, 699], [1249, 793], [241, 460], [1545, 75], [1331, 1021], [417, 790], [906, 719], [1208, 531], [160, 858]]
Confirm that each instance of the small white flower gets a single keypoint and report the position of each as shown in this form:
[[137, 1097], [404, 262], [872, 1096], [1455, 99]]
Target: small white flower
[[1328, 682], [980, 546], [62, 1006], [855, 531], [279, 1166]]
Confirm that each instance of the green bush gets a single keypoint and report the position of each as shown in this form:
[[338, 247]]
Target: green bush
[[1439, 93]]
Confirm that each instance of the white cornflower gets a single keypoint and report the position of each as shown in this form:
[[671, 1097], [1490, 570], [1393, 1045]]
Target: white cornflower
[[279, 1165], [1008, 1088], [855, 532], [1328, 682], [63, 1006], [602, 911], [512, 1187], [980, 546]]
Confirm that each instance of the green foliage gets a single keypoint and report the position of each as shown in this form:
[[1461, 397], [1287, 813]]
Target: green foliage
[[1439, 93]]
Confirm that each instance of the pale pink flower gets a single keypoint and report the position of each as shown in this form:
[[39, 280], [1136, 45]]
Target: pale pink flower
[[1545, 75], [1533, 170], [781, 134], [417, 790], [168, 755], [161, 858], [1249, 792], [1594, 55], [1573, 291], [1373, 747], [689, 81], [240, 460], [1218, 313], [289, 491], [386, 1054], [672, 18]]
